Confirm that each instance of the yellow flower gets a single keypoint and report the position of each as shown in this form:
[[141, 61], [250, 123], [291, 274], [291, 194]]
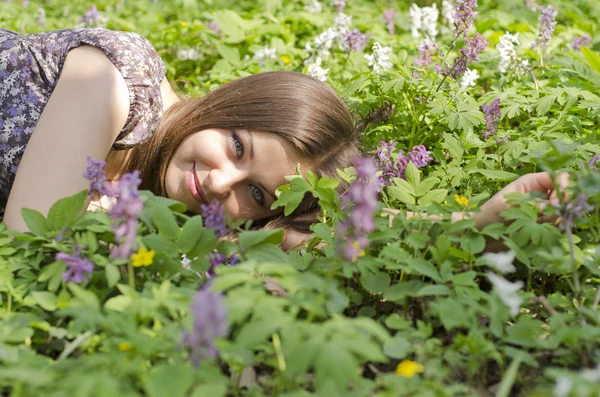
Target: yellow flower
[[285, 59], [142, 258], [124, 346], [408, 368], [184, 24], [463, 201]]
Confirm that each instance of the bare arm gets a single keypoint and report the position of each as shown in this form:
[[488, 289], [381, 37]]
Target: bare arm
[[82, 118]]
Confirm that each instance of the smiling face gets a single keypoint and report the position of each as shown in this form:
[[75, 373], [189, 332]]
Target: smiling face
[[240, 168]]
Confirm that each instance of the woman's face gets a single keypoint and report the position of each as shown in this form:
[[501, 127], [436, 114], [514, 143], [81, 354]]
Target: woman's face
[[240, 168]]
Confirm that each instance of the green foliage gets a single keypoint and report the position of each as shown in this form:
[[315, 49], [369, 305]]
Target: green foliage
[[307, 322]]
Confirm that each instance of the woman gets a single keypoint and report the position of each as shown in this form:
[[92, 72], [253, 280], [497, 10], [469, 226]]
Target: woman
[[72, 94]]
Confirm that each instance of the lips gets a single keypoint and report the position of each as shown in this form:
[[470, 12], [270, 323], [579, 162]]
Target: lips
[[193, 185]]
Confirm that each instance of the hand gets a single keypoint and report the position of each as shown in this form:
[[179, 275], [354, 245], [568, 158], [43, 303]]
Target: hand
[[539, 182]]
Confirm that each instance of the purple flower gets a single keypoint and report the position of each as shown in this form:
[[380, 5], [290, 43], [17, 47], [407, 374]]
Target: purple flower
[[212, 25], [592, 163], [95, 173], [577, 207], [125, 213], [214, 218], [464, 16], [394, 168], [420, 156], [547, 21], [92, 17], [492, 118], [216, 259], [361, 201], [234, 259], [425, 53], [355, 40], [210, 322], [581, 41], [388, 17], [77, 268]]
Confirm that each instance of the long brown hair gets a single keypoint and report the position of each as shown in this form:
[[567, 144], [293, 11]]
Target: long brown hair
[[299, 108]]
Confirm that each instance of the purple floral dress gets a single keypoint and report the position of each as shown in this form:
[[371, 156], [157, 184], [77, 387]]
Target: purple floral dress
[[29, 70]]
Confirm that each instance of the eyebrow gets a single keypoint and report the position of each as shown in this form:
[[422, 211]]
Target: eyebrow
[[262, 185]]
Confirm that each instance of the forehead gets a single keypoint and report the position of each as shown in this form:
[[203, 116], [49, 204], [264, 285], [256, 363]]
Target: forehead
[[275, 157]]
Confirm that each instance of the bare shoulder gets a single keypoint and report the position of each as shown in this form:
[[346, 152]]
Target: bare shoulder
[[87, 71]]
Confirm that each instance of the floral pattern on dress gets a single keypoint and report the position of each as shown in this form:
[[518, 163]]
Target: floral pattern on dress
[[29, 70]]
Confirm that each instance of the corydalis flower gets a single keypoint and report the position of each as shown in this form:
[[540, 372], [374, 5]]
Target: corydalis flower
[[501, 261], [339, 5], [78, 268], [125, 213], [95, 173], [469, 53], [212, 25], [448, 10], [464, 16], [215, 259], [210, 323], [214, 218], [355, 40], [92, 17], [188, 54], [379, 59], [577, 207], [265, 53], [507, 292], [315, 70], [423, 21], [468, 79], [425, 49], [394, 167], [361, 202], [508, 56], [388, 17], [314, 8], [547, 21], [492, 117], [581, 41]]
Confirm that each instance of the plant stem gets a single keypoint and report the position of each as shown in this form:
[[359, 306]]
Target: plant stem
[[131, 276]]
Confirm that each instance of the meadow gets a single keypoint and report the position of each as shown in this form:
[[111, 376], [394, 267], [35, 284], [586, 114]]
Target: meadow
[[453, 100]]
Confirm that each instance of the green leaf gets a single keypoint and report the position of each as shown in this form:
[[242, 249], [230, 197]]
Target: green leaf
[[592, 58], [190, 235], [451, 313], [161, 244], [397, 347], [85, 297], [65, 211], [398, 292], [375, 282], [413, 175], [255, 237], [169, 380], [164, 220], [472, 243], [544, 104], [425, 186], [46, 300], [35, 221], [496, 175], [433, 196], [401, 194], [118, 303], [112, 274]]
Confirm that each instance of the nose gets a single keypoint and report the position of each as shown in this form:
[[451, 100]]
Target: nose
[[222, 181]]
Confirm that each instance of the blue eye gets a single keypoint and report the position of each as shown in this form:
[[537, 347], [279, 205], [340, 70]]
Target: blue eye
[[257, 194], [238, 146]]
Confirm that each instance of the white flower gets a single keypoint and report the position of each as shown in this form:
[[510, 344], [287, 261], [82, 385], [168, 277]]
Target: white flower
[[563, 387], [501, 261], [448, 10], [507, 292], [424, 21], [315, 70], [342, 23], [508, 56], [468, 79], [591, 375], [380, 59], [323, 42], [265, 53], [188, 54], [314, 8]]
